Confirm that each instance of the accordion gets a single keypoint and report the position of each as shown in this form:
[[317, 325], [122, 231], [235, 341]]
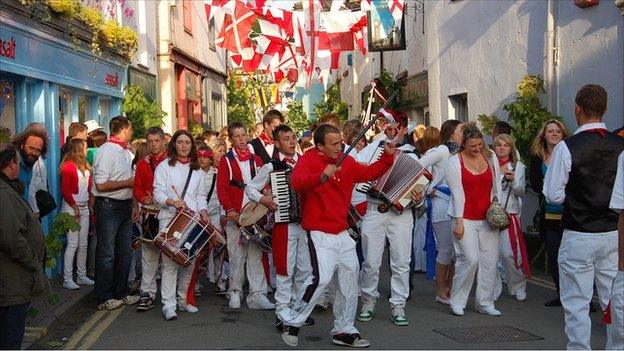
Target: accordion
[[288, 209], [367, 186], [395, 186]]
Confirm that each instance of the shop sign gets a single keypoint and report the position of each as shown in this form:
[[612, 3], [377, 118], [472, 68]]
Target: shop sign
[[112, 80], [7, 48], [416, 88]]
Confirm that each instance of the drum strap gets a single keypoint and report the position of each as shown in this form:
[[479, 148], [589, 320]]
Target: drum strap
[[212, 186], [188, 180]]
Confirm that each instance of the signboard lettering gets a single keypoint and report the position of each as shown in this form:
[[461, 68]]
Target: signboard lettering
[[7, 48]]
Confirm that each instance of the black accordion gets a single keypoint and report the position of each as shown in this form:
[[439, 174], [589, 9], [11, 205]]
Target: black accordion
[[288, 209]]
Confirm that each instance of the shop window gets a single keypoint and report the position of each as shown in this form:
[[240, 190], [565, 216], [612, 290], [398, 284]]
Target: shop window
[[187, 8], [217, 112], [458, 107], [7, 111]]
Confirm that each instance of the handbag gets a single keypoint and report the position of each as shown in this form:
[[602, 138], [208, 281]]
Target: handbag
[[497, 215], [45, 200]]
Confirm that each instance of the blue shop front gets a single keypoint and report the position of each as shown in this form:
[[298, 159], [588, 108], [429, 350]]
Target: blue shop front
[[44, 77]]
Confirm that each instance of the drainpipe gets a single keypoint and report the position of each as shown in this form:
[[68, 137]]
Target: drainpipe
[[552, 59]]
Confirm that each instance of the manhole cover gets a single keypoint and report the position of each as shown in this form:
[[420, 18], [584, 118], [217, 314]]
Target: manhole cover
[[474, 335]]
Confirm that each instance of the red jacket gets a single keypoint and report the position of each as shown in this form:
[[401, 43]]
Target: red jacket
[[144, 177], [69, 182], [231, 196], [325, 206]]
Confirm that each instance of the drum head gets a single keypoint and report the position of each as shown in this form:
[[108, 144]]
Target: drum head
[[251, 213]]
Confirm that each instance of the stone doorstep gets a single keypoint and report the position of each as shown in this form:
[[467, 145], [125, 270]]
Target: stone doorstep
[[50, 317]]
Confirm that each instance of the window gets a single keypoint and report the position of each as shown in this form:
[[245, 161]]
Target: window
[[211, 34], [217, 113], [186, 16], [458, 107]]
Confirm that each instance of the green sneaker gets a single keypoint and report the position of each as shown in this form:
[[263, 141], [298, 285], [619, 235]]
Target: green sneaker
[[367, 312], [398, 316]]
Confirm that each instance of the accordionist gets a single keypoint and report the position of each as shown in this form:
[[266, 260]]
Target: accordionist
[[271, 187]]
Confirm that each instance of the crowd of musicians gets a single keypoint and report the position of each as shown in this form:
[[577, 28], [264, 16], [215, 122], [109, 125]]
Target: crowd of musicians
[[310, 219]]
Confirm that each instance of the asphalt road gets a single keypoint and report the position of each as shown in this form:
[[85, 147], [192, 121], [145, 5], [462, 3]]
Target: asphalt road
[[216, 326]]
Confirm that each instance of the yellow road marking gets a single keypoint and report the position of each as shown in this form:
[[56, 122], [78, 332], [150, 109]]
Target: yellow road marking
[[75, 339], [93, 337]]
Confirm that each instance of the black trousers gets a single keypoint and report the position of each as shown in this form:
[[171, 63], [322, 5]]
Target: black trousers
[[551, 232], [12, 325]]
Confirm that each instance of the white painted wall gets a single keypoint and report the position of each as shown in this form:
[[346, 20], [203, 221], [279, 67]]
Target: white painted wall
[[143, 22]]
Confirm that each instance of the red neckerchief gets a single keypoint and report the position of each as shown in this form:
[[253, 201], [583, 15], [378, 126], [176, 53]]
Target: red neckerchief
[[243, 155], [115, 140], [502, 162], [265, 139], [601, 131], [289, 160], [157, 159], [184, 160]]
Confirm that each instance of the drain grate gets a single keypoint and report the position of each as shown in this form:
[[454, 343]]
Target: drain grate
[[493, 334]]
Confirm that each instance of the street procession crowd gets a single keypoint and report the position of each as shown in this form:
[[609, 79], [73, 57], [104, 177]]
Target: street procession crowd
[[309, 218]]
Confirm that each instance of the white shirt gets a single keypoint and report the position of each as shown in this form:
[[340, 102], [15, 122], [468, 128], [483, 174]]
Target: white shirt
[[363, 156], [214, 207], [517, 188], [558, 172], [245, 172], [112, 162], [617, 197], [253, 190], [166, 178], [435, 160]]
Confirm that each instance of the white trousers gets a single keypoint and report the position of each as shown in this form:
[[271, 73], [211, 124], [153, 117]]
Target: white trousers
[[298, 268], [329, 254], [616, 340], [215, 263], [476, 253], [76, 242], [376, 227], [444, 242], [514, 277], [585, 259], [418, 239], [150, 255], [244, 256], [174, 278]]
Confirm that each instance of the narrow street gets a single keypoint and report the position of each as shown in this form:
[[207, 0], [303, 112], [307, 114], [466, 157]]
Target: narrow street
[[216, 326]]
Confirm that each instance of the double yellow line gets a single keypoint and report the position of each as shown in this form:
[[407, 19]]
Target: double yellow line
[[91, 331]]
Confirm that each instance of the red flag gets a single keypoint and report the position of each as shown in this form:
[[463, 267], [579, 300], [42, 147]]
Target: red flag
[[234, 34]]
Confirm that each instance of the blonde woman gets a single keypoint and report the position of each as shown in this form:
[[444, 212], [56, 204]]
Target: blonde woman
[[513, 248], [75, 174], [472, 176], [551, 230]]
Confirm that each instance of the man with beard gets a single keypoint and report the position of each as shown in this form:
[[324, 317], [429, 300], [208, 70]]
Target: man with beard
[[32, 145]]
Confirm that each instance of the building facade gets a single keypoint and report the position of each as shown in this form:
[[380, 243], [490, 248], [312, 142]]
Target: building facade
[[191, 68]]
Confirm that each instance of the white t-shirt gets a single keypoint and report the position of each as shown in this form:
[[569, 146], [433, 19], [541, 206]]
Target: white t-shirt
[[617, 197], [112, 162]]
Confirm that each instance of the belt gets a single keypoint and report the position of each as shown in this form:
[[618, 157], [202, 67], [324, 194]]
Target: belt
[[109, 199], [553, 216]]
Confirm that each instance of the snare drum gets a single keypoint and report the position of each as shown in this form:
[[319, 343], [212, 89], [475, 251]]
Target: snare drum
[[149, 222], [255, 225], [185, 237]]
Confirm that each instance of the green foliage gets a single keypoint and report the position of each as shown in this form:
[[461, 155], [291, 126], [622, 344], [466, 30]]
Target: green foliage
[[240, 107], [142, 112], [487, 123], [195, 128], [63, 223], [296, 118], [526, 114], [333, 103]]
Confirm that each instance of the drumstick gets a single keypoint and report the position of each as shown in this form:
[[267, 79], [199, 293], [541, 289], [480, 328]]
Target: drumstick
[[176, 192]]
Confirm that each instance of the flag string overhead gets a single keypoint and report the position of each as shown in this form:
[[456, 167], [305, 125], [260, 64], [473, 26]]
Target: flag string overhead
[[295, 45]]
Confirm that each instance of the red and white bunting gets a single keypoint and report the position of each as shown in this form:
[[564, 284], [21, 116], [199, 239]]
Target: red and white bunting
[[234, 35], [396, 8]]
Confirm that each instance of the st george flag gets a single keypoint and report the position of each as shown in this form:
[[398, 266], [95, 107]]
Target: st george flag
[[234, 35]]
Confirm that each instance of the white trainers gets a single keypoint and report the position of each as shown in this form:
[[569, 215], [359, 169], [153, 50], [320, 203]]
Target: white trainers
[[188, 308], [110, 304], [458, 311], [235, 301], [398, 316], [170, 313], [130, 300], [259, 302], [70, 284], [323, 302], [85, 281], [521, 295], [489, 310], [291, 336], [367, 312]]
